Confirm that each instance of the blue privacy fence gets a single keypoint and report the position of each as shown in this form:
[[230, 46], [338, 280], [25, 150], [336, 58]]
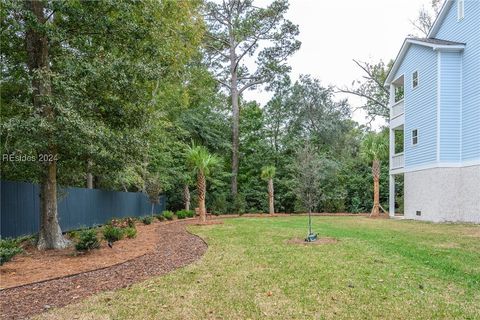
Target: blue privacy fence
[[77, 207]]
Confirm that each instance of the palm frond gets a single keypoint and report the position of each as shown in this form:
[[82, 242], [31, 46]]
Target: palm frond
[[200, 160], [268, 172], [375, 146]]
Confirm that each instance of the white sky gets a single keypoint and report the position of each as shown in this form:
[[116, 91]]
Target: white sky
[[333, 32]]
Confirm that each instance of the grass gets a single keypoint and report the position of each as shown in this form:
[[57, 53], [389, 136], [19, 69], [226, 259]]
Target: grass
[[384, 269]]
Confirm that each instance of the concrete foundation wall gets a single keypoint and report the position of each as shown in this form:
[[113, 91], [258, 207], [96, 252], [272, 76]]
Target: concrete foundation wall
[[443, 194]]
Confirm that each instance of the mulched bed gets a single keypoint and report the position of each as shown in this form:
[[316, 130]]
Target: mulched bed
[[176, 248], [34, 266]]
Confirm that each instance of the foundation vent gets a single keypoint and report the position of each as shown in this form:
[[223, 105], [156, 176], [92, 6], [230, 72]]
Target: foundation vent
[[419, 213]]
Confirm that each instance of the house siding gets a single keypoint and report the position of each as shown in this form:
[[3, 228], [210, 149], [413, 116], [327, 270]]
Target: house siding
[[420, 105], [450, 106], [467, 31]]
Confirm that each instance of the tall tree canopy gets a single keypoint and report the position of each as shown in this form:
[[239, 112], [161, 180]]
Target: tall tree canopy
[[88, 71], [247, 46]]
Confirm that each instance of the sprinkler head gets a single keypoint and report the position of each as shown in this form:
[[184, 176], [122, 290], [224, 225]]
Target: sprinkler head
[[311, 237]]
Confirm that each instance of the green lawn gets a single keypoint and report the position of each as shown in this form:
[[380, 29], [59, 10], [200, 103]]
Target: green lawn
[[386, 269]]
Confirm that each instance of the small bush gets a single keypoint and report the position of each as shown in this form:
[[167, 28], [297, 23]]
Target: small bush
[[238, 204], [220, 204], [87, 240], [168, 215], [130, 222], [8, 249], [74, 234], [147, 220], [181, 214], [112, 234], [123, 223], [130, 232], [160, 217]]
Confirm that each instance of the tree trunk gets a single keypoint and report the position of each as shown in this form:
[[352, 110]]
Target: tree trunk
[[376, 198], [235, 141], [50, 236], [201, 189], [186, 197], [270, 197], [235, 114], [89, 174], [376, 188]]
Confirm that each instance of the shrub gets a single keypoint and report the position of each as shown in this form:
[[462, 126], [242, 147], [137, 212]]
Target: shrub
[[220, 204], [160, 217], [8, 249], [130, 222], [130, 232], [147, 220], [74, 234], [168, 215], [238, 205], [123, 223], [181, 214], [112, 234], [87, 240]]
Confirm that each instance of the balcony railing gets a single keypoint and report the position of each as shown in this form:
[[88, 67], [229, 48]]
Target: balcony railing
[[397, 109], [397, 161]]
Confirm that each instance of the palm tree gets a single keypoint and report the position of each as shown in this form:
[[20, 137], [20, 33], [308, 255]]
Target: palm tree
[[268, 173], [374, 148], [202, 163]]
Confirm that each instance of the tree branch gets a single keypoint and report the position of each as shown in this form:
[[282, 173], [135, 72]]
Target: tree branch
[[49, 16], [223, 83], [251, 84], [218, 51], [371, 76], [244, 53], [359, 94], [225, 42]]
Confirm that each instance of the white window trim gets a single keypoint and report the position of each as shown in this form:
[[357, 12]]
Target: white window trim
[[418, 79], [460, 10], [414, 144]]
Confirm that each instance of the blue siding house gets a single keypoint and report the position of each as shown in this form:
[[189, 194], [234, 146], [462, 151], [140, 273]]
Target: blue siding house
[[435, 109]]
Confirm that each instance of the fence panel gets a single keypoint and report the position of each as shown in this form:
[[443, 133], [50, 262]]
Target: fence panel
[[77, 207]]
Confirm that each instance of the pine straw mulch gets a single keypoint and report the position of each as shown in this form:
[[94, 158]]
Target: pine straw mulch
[[175, 248]]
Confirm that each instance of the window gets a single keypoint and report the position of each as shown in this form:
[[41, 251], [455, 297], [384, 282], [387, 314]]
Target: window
[[460, 9], [414, 136], [415, 79]]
